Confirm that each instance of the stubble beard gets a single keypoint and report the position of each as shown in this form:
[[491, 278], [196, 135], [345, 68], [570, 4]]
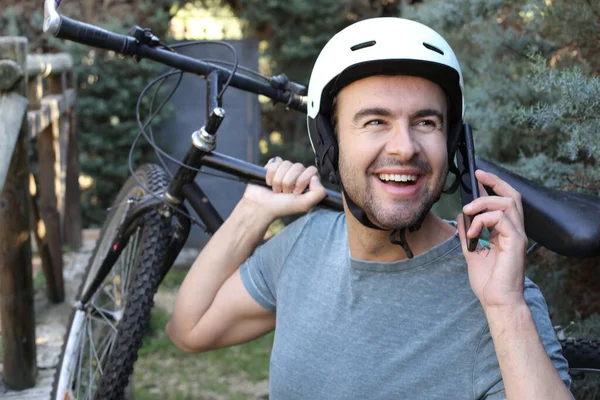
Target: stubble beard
[[401, 214]]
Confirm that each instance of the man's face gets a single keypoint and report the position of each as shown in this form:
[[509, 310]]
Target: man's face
[[392, 139]]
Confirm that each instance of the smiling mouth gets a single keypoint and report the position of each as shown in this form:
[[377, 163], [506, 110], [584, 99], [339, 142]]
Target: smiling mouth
[[398, 179]]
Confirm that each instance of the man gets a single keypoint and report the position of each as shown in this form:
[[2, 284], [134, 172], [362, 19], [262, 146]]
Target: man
[[382, 301]]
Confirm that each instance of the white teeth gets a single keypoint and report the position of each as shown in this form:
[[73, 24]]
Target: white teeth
[[397, 178]]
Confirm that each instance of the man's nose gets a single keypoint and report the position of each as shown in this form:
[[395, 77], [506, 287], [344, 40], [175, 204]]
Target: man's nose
[[402, 143]]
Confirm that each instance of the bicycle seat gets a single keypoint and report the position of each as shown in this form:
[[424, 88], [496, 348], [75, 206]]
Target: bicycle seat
[[564, 222]]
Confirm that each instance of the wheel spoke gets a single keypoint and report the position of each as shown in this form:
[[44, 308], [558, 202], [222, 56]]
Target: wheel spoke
[[93, 348], [133, 241], [105, 290], [111, 340], [90, 384], [103, 313], [129, 265]]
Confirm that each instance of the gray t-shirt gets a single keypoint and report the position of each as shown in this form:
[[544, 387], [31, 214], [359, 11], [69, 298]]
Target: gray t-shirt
[[355, 329]]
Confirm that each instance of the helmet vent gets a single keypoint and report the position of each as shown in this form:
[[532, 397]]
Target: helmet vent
[[433, 48], [363, 45]]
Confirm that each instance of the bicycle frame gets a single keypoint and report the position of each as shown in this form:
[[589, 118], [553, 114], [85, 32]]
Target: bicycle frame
[[193, 193], [182, 187]]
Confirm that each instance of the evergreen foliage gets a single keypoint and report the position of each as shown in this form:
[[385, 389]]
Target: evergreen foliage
[[109, 86], [531, 84]]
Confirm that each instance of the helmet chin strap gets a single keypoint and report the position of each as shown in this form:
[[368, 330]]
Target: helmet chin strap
[[397, 236]]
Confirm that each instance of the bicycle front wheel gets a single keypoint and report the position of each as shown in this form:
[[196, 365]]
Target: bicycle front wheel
[[106, 332]]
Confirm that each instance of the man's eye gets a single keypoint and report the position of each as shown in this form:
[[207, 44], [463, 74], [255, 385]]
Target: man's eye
[[375, 122], [428, 125]]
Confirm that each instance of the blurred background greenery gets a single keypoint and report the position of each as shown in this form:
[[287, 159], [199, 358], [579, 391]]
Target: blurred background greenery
[[532, 93]]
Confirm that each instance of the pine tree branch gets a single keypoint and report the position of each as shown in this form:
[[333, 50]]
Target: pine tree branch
[[593, 185], [594, 11]]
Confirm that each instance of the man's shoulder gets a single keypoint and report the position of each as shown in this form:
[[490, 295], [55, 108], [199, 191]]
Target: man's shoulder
[[315, 226], [324, 218], [315, 220]]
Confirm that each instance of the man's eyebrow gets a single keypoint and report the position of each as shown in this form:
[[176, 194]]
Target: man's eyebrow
[[363, 112], [386, 112], [429, 112]]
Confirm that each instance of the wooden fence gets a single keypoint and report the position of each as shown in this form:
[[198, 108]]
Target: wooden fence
[[39, 192]]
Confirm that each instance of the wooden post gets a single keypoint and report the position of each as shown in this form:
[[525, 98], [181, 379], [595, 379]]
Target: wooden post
[[36, 93], [39, 233], [57, 85], [16, 283], [72, 221], [49, 214]]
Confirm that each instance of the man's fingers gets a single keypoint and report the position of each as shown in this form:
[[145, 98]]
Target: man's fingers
[[301, 203], [315, 194], [304, 179], [291, 176], [271, 167], [282, 169], [286, 177], [500, 187], [495, 203], [498, 222]]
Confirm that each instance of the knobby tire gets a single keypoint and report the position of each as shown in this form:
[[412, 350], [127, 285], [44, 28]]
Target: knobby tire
[[109, 368]]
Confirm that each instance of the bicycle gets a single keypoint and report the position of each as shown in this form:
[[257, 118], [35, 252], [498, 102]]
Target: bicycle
[[149, 224]]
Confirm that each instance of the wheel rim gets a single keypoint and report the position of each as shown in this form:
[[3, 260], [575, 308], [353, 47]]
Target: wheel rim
[[94, 329]]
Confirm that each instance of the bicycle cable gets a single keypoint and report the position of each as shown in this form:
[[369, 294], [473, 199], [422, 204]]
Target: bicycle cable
[[219, 43], [158, 150], [142, 131], [150, 130], [150, 138]]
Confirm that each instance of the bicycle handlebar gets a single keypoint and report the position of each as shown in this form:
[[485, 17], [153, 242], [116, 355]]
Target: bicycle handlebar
[[66, 28]]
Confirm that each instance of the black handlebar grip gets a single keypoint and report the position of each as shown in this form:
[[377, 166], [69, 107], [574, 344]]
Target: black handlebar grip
[[297, 102], [296, 88], [333, 200], [91, 35]]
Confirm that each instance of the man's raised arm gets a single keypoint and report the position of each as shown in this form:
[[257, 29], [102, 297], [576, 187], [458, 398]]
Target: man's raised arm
[[213, 309]]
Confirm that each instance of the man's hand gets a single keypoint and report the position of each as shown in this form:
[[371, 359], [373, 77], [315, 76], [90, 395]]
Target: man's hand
[[497, 277], [289, 183], [496, 271]]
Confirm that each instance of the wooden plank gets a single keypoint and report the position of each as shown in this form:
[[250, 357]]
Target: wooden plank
[[16, 283], [72, 221], [11, 74], [12, 111], [39, 233], [51, 324], [50, 230], [48, 64], [57, 84], [35, 89], [51, 107]]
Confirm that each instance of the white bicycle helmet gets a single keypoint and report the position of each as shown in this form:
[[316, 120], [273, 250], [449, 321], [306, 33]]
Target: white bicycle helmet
[[378, 46]]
